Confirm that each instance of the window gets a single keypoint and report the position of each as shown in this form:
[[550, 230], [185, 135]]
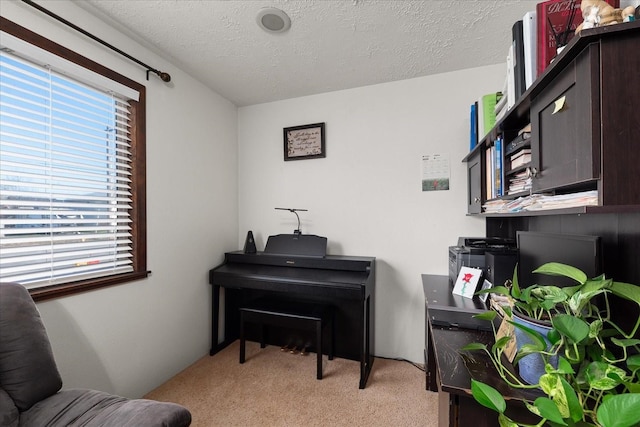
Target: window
[[72, 166]]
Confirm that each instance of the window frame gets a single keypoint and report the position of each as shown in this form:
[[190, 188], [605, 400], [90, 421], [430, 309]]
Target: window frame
[[138, 162]]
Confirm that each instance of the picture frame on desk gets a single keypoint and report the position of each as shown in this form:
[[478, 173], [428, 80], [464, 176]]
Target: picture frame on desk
[[485, 285], [304, 142], [467, 282]]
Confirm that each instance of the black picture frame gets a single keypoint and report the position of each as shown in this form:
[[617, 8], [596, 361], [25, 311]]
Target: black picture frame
[[304, 142]]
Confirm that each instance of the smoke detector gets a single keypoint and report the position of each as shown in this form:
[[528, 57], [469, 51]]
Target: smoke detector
[[273, 20]]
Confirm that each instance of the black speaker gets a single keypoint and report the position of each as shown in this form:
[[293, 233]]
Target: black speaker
[[250, 244]]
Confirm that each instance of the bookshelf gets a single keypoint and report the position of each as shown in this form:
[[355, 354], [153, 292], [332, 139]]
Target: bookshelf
[[584, 125], [592, 143]]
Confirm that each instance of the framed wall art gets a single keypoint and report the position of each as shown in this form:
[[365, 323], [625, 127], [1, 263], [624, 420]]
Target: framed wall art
[[304, 142]]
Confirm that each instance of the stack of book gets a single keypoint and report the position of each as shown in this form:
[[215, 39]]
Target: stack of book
[[521, 59], [538, 202], [483, 117], [516, 205], [519, 182], [520, 141], [560, 201], [518, 155], [494, 178], [520, 158], [495, 205]]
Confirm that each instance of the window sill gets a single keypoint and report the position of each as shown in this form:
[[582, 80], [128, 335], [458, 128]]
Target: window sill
[[65, 289]]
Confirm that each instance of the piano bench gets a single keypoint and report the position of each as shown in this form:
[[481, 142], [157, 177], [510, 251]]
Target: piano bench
[[295, 315]]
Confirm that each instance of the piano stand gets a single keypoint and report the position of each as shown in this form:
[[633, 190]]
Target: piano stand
[[344, 283], [301, 316]]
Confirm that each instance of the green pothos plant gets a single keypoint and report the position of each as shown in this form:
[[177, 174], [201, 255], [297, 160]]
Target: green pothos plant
[[596, 381]]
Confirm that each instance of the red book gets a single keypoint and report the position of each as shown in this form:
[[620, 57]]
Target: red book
[[556, 23]]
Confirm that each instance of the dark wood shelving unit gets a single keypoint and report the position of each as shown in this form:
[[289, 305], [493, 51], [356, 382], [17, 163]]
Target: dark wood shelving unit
[[568, 211], [591, 144]]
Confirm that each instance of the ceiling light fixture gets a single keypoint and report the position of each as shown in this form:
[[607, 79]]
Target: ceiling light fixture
[[273, 20]]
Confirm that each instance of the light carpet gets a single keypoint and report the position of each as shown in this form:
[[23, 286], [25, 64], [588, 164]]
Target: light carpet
[[275, 388]]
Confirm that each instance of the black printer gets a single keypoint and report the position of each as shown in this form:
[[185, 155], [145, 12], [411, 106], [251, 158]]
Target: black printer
[[496, 256]]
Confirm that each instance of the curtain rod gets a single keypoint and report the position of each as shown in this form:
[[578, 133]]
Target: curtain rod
[[165, 77]]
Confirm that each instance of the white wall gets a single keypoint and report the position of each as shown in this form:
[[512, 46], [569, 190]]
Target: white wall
[[366, 195], [130, 338], [204, 194]]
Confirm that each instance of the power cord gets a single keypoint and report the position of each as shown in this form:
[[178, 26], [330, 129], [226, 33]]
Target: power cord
[[399, 359]]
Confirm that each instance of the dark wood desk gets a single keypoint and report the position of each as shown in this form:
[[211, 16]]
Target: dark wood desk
[[449, 372]]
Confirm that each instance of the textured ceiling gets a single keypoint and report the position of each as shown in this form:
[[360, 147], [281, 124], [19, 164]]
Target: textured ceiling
[[332, 45]]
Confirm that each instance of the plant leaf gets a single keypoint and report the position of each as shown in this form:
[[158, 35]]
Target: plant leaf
[[633, 387], [550, 294], [507, 310], [625, 342], [525, 295], [570, 290], [487, 315], [488, 396], [553, 336], [564, 367], [537, 347], [549, 410], [532, 408], [534, 335], [595, 328], [627, 291], [571, 399], [590, 290], [559, 397], [596, 285], [505, 421], [501, 343], [515, 287], [633, 362], [548, 383], [621, 410], [474, 346], [526, 350], [572, 327], [501, 290], [558, 269], [602, 376]]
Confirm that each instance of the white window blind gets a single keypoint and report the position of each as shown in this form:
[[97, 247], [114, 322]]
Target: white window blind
[[65, 168]]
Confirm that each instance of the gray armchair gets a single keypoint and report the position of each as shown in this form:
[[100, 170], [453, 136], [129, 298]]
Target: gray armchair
[[30, 384]]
